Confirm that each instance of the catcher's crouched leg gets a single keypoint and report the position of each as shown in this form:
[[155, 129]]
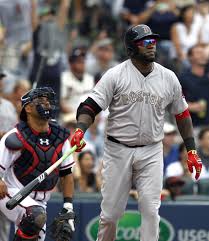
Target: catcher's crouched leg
[[31, 224]]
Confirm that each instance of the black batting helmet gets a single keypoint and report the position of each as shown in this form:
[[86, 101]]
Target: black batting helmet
[[134, 34], [36, 93]]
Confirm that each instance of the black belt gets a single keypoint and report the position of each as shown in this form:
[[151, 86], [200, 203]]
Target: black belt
[[111, 138]]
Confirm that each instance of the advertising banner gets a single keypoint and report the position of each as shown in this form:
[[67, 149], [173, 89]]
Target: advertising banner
[[179, 221]]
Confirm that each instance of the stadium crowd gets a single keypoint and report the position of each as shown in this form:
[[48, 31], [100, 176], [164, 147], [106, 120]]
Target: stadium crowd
[[68, 45]]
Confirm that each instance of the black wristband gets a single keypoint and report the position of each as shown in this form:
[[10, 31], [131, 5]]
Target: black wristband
[[68, 200], [190, 144], [82, 126]]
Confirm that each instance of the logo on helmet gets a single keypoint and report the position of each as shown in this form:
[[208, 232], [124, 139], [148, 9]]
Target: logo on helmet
[[146, 28]]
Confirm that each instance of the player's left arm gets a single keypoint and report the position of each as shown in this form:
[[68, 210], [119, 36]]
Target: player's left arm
[[179, 108], [184, 123]]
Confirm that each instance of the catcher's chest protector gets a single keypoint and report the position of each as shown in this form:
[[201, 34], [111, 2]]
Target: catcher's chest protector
[[40, 151]]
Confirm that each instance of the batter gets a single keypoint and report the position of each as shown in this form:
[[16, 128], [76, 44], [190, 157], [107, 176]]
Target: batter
[[137, 93]]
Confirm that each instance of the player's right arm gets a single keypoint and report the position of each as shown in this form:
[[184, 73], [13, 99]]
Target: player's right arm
[[98, 100], [85, 117]]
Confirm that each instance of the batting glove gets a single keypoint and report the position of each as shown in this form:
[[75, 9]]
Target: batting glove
[[194, 161], [76, 139]]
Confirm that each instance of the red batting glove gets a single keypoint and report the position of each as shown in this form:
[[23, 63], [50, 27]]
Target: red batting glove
[[194, 161], [76, 139]]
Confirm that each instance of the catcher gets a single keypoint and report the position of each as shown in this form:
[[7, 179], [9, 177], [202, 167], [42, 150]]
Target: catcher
[[25, 152]]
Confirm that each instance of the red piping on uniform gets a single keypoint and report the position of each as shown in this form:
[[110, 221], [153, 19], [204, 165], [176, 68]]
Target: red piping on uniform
[[184, 114], [37, 133], [44, 148], [55, 155], [31, 150]]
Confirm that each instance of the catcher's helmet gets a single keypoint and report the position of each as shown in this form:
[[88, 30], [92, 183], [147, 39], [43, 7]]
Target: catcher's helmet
[[134, 34], [36, 93]]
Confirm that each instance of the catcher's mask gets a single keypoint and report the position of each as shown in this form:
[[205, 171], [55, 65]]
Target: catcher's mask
[[134, 35], [34, 96]]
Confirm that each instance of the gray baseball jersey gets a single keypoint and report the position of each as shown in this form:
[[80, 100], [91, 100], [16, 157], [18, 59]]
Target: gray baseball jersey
[[137, 107], [136, 103]]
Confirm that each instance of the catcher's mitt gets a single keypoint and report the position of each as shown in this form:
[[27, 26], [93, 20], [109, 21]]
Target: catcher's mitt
[[61, 229]]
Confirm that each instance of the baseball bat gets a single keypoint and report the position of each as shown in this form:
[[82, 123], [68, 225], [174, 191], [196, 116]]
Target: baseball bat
[[25, 191]]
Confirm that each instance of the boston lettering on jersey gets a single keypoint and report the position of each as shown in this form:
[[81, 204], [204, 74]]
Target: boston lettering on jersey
[[40, 150], [141, 96]]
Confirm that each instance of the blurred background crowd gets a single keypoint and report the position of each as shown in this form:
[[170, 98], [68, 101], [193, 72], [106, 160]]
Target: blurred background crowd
[[68, 45]]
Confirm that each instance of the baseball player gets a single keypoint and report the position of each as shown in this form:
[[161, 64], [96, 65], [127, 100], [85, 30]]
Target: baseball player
[[137, 93], [27, 151]]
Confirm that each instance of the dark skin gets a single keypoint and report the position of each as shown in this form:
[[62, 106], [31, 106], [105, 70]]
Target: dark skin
[[145, 58], [185, 127], [41, 125]]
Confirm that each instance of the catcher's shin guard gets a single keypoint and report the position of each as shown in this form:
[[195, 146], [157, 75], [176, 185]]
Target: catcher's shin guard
[[31, 224]]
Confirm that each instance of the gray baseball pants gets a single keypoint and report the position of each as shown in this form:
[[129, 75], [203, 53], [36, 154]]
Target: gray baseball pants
[[123, 166]]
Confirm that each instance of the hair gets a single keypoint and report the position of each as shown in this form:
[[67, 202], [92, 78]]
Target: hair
[[183, 10], [22, 83], [202, 132], [83, 153], [190, 51]]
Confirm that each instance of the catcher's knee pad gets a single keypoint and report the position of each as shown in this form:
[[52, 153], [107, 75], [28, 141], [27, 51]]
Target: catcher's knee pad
[[31, 224]]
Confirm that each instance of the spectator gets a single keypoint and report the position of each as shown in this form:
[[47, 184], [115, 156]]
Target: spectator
[[49, 42], [201, 18], [101, 59], [160, 16], [195, 86], [184, 35], [88, 180], [183, 3], [16, 17], [76, 82], [170, 148], [8, 115], [21, 87], [137, 11], [203, 149]]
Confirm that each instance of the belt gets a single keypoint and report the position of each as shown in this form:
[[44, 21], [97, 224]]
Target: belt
[[111, 138]]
